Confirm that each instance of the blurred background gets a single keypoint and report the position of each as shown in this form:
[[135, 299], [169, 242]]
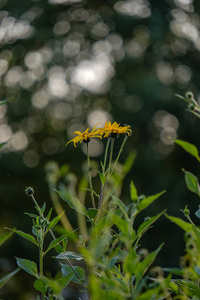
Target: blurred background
[[68, 64]]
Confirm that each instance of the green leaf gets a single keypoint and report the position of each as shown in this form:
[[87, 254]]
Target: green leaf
[[197, 213], [133, 192], [192, 182], [65, 269], [129, 162], [49, 214], [31, 215], [41, 285], [72, 201], [121, 205], [147, 201], [4, 280], [145, 225], [4, 237], [54, 222], [56, 242], [175, 271], [92, 212], [25, 236], [43, 208], [28, 266], [102, 177], [187, 227], [143, 266], [189, 288], [190, 148], [63, 282], [69, 255]]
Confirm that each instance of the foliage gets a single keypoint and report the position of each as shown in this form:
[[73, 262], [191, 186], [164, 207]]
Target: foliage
[[113, 265], [189, 272]]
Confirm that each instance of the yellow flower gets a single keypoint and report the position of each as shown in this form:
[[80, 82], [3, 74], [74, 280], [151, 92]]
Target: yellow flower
[[85, 136], [115, 129]]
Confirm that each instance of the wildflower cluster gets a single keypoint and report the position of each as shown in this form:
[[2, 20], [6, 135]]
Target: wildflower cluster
[[109, 129]]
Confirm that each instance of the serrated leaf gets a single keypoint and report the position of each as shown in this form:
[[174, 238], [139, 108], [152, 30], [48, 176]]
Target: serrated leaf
[[54, 222], [190, 148], [133, 192], [28, 266], [4, 280], [55, 242], [147, 201], [192, 182], [26, 236], [69, 255], [4, 237], [72, 201]]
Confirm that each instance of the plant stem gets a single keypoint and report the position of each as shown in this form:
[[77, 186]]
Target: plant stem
[[106, 154], [41, 241], [90, 178], [120, 151], [111, 155], [103, 170]]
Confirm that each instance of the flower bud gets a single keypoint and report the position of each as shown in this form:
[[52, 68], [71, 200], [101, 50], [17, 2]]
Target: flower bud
[[29, 191]]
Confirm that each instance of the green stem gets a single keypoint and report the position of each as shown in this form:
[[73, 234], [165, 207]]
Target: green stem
[[111, 155], [120, 151], [37, 206], [41, 258], [190, 220], [90, 178], [106, 155], [41, 248], [104, 169]]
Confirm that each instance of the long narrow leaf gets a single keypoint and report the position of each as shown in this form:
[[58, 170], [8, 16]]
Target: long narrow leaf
[[56, 242], [4, 237], [4, 280], [54, 222], [26, 236], [146, 263], [145, 225], [147, 201], [187, 227], [69, 255], [72, 201]]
